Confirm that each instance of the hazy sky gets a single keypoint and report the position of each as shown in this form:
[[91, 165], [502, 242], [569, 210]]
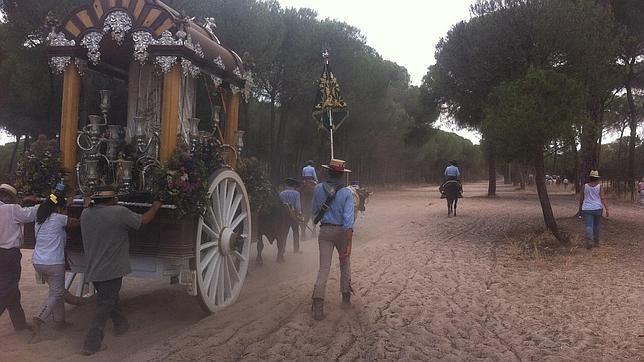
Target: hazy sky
[[403, 31]]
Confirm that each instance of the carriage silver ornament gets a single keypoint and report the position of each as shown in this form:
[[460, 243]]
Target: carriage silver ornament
[[220, 63], [193, 131], [91, 172], [142, 39], [140, 133], [91, 42], [124, 175], [189, 69], [94, 127], [106, 102], [114, 131], [118, 23], [111, 151], [58, 64]]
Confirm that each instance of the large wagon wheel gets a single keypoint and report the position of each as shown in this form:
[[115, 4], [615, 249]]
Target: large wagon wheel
[[79, 293], [222, 249]]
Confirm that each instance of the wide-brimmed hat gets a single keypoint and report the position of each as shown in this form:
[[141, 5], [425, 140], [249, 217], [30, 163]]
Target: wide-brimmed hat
[[336, 165], [291, 182], [9, 189], [104, 192], [594, 173]]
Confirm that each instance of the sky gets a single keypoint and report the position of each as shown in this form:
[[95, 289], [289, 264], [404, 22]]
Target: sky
[[403, 31]]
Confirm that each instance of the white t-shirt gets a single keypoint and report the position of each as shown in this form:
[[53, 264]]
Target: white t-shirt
[[50, 240]]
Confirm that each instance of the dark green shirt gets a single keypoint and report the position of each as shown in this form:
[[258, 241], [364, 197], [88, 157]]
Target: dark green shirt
[[105, 240]]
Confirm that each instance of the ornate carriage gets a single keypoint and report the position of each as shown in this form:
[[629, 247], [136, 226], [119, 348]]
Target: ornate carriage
[[162, 70]]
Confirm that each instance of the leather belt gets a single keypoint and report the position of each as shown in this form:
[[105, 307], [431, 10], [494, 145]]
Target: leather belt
[[327, 224]]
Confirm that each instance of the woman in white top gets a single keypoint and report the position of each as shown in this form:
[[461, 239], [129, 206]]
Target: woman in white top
[[592, 205], [640, 190], [49, 259]]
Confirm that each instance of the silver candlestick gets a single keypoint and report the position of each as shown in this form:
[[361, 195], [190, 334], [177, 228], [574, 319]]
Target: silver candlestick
[[105, 102]]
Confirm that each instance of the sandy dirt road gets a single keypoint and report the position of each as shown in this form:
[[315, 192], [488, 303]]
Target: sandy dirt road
[[427, 287]]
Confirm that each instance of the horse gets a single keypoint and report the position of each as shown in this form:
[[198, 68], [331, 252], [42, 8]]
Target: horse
[[307, 186], [452, 190], [275, 224], [360, 197]]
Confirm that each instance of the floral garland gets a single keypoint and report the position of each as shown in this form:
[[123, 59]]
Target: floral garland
[[183, 180], [39, 168]]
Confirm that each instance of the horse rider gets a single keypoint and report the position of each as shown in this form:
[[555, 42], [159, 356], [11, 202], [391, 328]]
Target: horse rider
[[452, 172], [333, 207], [308, 172], [291, 197]]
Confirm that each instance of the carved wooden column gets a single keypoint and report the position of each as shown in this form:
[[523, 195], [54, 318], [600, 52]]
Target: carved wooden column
[[69, 121], [170, 112]]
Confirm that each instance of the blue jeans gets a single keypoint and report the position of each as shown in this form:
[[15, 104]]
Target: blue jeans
[[592, 218]]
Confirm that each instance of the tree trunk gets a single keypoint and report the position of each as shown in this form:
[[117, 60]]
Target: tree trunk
[[540, 182], [620, 163], [14, 152], [271, 140], [632, 124], [278, 150], [575, 177], [507, 174], [590, 144], [491, 189]]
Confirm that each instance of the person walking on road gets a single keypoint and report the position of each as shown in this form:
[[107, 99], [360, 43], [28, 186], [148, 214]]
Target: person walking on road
[[49, 260], [593, 204], [104, 228], [291, 197], [12, 218], [308, 172], [333, 207]]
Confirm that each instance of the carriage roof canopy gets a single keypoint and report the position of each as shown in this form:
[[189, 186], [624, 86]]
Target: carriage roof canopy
[[146, 30]]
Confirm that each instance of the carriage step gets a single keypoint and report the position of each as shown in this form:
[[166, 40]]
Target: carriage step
[[189, 279]]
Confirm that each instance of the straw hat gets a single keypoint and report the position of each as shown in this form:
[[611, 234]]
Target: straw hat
[[336, 165], [9, 189], [594, 173], [104, 192]]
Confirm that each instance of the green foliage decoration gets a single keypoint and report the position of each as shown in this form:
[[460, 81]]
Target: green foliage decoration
[[262, 196], [39, 168]]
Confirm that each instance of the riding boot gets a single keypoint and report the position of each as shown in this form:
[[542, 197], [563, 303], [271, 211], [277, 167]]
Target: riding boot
[[318, 309], [346, 300]]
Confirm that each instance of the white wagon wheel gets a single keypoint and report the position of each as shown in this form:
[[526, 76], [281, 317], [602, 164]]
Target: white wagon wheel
[[79, 293], [222, 249]]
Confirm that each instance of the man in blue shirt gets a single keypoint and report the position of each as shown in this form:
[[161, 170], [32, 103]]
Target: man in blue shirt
[[291, 197], [333, 207], [308, 172], [452, 173]]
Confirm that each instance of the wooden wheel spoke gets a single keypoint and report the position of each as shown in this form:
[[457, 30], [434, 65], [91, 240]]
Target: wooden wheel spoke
[[239, 255], [223, 202], [238, 219], [206, 260], [69, 280], [212, 267], [208, 245], [230, 209], [233, 209], [227, 275], [210, 213], [210, 231], [233, 268], [220, 286]]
